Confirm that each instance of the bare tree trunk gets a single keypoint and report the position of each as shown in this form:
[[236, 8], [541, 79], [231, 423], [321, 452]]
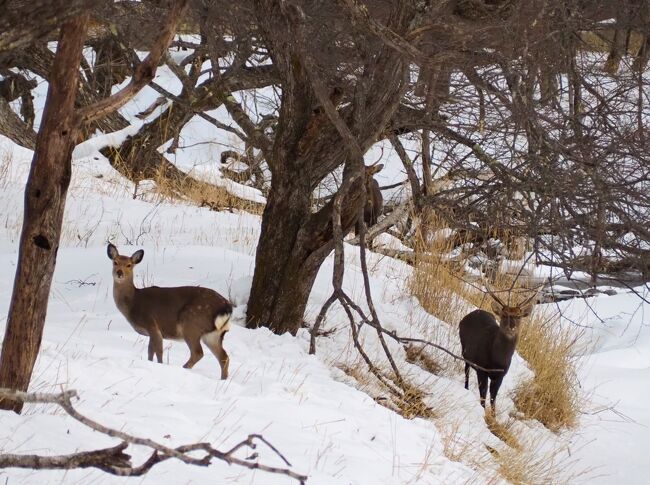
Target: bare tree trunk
[[277, 261], [292, 247], [45, 196], [47, 187]]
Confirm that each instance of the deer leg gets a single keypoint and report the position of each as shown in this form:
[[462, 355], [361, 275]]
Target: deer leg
[[150, 350], [467, 368], [156, 345], [482, 385], [214, 341], [495, 384], [193, 341]]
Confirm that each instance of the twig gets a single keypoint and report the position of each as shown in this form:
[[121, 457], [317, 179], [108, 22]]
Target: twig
[[319, 320], [369, 301], [144, 72], [210, 119], [115, 461]]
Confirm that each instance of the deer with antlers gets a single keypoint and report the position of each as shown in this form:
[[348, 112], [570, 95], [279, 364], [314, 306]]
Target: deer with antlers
[[489, 345]]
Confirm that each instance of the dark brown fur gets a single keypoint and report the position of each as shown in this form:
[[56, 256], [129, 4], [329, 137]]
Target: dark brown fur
[[489, 345], [374, 204]]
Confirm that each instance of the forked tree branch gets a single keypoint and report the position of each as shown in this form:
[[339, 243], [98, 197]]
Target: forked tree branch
[[114, 461]]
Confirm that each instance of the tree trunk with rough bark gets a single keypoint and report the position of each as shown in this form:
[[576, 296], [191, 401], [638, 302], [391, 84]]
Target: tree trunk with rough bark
[[306, 148], [47, 187], [292, 247], [287, 209], [45, 196]]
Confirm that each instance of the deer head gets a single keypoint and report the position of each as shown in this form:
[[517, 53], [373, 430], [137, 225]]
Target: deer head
[[511, 316], [123, 265]]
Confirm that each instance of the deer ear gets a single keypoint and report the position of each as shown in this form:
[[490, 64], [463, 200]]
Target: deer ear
[[111, 251], [137, 256], [373, 169], [497, 308], [527, 310]]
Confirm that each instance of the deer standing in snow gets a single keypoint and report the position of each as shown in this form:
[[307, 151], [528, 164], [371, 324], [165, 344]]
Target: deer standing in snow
[[490, 345], [374, 203], [189, 313]]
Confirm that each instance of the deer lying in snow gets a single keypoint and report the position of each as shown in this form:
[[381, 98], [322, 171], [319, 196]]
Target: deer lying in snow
[[190, 313], [489, 345]]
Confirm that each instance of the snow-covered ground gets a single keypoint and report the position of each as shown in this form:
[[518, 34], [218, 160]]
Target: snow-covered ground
[[326, 428], [305, 405]]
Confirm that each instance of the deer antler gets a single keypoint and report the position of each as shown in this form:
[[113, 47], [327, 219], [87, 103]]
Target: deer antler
[[492, 294], [535, 291]]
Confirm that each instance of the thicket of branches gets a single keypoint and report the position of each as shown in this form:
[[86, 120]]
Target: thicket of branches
[[533, 113], [535, 110], [528, 119]]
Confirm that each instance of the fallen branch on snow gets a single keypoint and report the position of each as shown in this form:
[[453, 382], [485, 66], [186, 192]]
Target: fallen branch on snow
[[115, 461]]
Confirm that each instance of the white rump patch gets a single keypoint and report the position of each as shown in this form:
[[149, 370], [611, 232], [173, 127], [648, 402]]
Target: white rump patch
[[222, 322]]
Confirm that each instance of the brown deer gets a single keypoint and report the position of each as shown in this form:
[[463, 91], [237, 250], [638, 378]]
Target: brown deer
[[374, 203], [190, 313], [489, 345]]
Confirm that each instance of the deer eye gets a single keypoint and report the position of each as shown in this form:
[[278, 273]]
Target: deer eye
[[129, 265]]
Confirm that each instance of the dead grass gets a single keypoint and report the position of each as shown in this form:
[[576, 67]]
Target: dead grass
[[5, 169], [536, 463], [410, 405], [455, 446], [602, 40], [532, 462], [417, 355], [204, 192], [551, 396], [502, 430], [437, 280]]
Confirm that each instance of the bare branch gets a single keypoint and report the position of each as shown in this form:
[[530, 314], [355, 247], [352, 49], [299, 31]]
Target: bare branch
[[201, 114], [391, 219], [254, 133], [361, 15], [114, 460], [144, 72]]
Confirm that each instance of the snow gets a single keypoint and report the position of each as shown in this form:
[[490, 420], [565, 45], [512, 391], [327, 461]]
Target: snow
[[318, 416], [325, 428]]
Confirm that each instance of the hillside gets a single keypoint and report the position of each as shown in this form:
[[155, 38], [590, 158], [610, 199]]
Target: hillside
[[316, 414]]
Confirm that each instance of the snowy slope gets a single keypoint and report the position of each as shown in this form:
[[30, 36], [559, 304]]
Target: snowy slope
[[305, 405], [327, 429]]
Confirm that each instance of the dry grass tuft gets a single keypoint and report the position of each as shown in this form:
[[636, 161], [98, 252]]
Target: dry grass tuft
[[503, 431], [437, 280], [410, 405], [534, 464], [455, 446], [203, 193], [551, 396], [527, 463], [416, 355], [5, 169], [169, 186]]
